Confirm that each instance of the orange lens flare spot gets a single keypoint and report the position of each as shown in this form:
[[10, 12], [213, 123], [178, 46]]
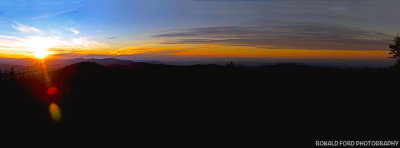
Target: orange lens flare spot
[[52, 91], [55, 112]]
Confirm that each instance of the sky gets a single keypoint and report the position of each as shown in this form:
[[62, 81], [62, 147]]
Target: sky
[[184, 30]]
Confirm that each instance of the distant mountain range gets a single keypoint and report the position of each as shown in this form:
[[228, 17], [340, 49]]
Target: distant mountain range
[[8, 67], [53, 64], [20, 64]]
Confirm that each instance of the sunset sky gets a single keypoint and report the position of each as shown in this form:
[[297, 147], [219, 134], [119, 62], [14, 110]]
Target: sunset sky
[[186, 29]]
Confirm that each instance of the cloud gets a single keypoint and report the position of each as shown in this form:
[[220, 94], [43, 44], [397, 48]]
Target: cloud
[[51, 14], [84, 42], [10, 43], [54, 8], [112, 37], [26, 45], [311, 36], [130, 51], [13, 45], [138, 50], [76, 32], [9, 37], [25, 28]]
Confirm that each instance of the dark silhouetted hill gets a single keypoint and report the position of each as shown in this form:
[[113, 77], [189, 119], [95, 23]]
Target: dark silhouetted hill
[[207, 103]]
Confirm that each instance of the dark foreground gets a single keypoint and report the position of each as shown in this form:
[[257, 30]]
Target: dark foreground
[[282, 105]]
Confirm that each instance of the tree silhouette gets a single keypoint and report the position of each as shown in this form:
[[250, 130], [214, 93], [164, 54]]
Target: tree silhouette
[[11, 74], [230, 64], [395, 50]]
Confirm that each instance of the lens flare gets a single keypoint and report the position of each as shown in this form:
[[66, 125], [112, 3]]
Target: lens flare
[[52, 91], [55, 112]]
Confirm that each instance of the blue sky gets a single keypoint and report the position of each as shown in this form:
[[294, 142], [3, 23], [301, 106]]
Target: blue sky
[[137, 18]]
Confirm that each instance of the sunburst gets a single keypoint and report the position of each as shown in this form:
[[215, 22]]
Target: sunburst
[[40, 47]]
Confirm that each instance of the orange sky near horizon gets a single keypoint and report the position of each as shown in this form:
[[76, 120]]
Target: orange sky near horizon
[[82, 47], [250, 52], [213, 51]]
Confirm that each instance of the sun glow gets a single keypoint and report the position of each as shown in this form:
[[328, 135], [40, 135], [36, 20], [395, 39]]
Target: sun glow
[[41, 54], [40, 47]]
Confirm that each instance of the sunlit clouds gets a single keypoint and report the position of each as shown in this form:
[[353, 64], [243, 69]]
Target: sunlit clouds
[[30, 41], [25, 28], [73, 30], [33, 45]]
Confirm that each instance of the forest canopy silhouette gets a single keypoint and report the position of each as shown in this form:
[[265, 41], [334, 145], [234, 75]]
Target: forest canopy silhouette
[[197, 100], [395, 50]]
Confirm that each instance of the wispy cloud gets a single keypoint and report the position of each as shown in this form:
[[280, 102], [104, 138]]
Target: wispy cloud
[[23, 45], [25, 28], [10, 42], [9, 37], [134, 50], [284, 36], [73, 30], [51, 14]]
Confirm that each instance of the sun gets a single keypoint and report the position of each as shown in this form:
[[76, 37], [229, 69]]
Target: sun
[[40, 47], [41, 54]]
